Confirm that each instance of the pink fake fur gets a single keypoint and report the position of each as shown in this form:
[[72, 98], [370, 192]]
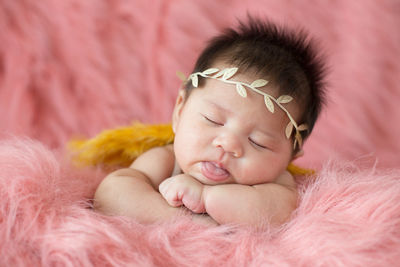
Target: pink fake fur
[[344, 218], [71, 68]]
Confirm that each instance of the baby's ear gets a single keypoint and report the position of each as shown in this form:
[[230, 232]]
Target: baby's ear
[[176, 114]]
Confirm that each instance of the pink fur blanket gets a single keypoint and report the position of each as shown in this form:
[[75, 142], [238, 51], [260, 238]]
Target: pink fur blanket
[[72, 67]]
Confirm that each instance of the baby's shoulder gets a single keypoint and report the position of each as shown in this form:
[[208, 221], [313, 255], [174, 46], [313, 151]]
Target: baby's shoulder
[[161, 153], [166, 152], [156, 163]]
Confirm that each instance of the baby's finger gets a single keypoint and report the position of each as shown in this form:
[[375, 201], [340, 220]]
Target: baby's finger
[[170, 194], [163, 187], [172, 198]]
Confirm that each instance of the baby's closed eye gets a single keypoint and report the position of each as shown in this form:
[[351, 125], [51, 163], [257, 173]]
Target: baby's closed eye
[[212, 120], [257, 144]]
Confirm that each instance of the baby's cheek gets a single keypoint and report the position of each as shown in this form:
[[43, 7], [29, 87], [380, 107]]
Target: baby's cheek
[[258, 173], [180, 150], [189, 150]]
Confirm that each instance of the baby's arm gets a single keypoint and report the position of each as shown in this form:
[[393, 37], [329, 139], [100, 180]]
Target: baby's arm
[[254, 205], [131, 191], [134, 192]]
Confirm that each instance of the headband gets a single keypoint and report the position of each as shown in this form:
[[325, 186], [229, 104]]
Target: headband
[[270, 101]]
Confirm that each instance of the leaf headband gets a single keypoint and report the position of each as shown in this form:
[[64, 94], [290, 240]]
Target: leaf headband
[[224, 76]]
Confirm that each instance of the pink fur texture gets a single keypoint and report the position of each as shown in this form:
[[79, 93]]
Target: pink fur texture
[[345, 218], [71, 68]]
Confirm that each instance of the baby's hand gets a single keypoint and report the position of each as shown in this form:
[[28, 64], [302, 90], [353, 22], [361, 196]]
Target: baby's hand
[[184, 190]]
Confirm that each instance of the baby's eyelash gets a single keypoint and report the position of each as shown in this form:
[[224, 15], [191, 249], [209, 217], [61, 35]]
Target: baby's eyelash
[[212, 121], [257, 144]]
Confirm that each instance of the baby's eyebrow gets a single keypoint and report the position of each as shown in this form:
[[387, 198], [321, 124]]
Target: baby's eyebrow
[[267, 133], [218, 106]]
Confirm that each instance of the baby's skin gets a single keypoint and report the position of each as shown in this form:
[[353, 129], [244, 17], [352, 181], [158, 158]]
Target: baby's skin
[[232, 153]]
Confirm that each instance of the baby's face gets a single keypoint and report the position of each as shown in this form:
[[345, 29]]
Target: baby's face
[[221, 137]]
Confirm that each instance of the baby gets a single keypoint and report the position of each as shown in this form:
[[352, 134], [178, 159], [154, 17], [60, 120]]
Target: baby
[[240, 118]]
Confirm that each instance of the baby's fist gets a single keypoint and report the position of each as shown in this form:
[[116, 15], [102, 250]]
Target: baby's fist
[[184, 190]]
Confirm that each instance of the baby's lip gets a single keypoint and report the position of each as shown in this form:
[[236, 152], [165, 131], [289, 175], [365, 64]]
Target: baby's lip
[[214, 171]]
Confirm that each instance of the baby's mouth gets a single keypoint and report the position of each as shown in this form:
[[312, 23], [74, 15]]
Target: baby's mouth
[[213, 171]]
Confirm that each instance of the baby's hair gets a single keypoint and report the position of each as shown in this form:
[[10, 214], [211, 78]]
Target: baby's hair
[[287, 59]]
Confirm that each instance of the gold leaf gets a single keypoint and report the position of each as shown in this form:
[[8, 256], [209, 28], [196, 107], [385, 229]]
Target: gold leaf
[[269, 104], [219, 74], [210, 71], [229, 73], [302, 127], [289, 129], [181, 76], [195, 81], [259, 83], [241, 90], [283, 99]]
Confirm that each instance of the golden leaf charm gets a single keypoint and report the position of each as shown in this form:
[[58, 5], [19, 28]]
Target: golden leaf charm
[[210, 71], [241, 90], [259, 83], [219, 74], [299, 139], [229, 73], [195, 81], [289, 129], [269, 104], [302, 127], [283, 99]]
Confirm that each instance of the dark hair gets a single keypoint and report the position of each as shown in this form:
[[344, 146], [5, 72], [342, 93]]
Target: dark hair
[[287, 59]]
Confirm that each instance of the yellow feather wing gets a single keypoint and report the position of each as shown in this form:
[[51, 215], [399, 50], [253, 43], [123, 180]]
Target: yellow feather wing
[[120, 146]]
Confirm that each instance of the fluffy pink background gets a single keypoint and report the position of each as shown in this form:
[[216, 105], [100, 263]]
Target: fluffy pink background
[[72, 67], [76, 67]]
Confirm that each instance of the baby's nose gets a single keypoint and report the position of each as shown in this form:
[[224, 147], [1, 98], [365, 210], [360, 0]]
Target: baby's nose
[[230, 143]]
